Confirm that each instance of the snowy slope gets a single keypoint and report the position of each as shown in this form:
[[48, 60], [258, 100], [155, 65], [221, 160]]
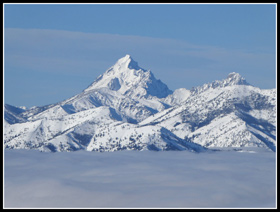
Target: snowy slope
[[94, 130], [132, 137], [223, 114], [127, 102], [70, 132], [12, 114], [177, 97]]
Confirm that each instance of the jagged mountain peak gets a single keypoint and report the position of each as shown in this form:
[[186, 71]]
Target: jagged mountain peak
[[233, 78], [126, 77]]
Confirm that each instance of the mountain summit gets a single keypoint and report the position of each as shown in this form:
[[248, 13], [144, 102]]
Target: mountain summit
[[235, 79], [127, 62], [129, 79], [232, 79]]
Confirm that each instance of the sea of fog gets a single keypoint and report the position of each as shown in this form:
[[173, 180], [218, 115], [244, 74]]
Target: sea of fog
[[139, 179]]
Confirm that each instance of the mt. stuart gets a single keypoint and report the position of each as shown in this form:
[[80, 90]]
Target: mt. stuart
[[128, 108]]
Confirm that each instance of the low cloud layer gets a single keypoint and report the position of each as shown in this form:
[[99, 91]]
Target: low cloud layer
[[139, 179]]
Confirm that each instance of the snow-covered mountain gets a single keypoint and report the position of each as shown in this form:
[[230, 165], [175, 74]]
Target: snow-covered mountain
[[227, 113], [128, 108]]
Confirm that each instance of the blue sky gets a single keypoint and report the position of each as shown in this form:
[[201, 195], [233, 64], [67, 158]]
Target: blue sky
[[54, 51]]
